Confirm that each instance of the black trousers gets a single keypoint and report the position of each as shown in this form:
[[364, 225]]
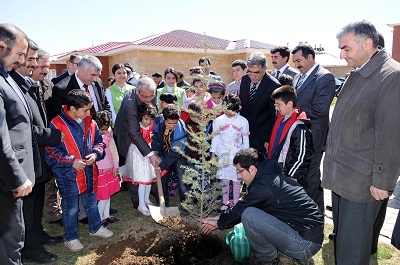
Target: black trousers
[[314, 189], [33, 212], [11, 228]]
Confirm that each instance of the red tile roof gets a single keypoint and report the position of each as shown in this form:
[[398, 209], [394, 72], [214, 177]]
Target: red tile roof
[[178, 39], [105, 47]]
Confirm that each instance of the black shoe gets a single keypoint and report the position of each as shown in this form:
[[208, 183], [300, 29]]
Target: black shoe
[[113, 211], [57, 222], [44, 257], [84, 221], [105, 222], [112, 219], [332, 236], [53, 240]]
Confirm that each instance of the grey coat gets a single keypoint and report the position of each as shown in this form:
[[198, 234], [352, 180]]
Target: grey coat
[[363, 145]]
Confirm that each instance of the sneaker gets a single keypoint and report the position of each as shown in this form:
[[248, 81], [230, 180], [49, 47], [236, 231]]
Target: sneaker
[[252, 260], [74, 245], [103, 232], [145, 213]]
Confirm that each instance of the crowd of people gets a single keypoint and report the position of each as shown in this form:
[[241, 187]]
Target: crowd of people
[[74, 138]]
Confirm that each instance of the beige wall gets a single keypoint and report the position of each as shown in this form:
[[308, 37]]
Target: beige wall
[[147, 61]]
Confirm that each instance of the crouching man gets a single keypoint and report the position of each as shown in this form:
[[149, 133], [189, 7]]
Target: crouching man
[[276, 212]]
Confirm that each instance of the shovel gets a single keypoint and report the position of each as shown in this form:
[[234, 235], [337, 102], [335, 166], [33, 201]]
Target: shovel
[[158, 213]]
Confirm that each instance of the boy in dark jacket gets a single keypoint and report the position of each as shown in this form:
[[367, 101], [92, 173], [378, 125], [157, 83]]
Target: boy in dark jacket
[[169, 137], [73, 164], [291, 139]]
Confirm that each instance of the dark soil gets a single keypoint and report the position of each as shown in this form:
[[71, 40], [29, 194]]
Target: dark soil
[[175, 242]]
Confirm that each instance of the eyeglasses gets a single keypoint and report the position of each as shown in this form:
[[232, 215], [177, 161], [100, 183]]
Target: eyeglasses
[[151, 96], [238, 172], [256, 72]]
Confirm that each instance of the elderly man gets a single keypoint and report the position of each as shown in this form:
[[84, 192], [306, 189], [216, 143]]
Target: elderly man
[[17, 165], [85, 78], [280, 56], [72, 66], [315, 87], [257, 106], [276, 213], [361, 164], [127, 127]]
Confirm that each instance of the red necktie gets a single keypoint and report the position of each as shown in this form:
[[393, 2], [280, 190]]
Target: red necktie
[[92, 110]]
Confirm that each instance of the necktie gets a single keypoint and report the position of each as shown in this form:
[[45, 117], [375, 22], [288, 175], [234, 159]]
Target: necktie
[[301, 81], [252, 92], [277, 74], [92, 110]]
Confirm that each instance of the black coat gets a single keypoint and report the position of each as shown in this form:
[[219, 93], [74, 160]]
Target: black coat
[[61, 90]]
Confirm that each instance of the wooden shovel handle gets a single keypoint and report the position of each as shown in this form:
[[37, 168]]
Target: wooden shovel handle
[[159, 187]]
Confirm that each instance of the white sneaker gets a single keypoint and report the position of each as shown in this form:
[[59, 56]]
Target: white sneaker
[[103, 232], [74, 245]]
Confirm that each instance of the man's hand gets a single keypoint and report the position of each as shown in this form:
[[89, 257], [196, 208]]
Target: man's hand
[[90, 159], [154, 160], [23, 190], [79, 164], [208, 225], [266, 145], [378, 194]]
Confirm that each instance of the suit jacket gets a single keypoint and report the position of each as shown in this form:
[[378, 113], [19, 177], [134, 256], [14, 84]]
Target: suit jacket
[[288, 71], [314, 97], [127, 127], [261, 112], [60, 92], [58, 78], [161, 84], [44, 136], [17, 141]]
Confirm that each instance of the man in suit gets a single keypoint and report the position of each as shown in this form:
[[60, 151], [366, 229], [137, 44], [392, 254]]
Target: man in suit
[[127, 127], [35, 236], [17, 165], [133, 77], [85, 78], [280, 56], [157, 78], [257, 106], [72, 66], [315, 88], [52, 201]]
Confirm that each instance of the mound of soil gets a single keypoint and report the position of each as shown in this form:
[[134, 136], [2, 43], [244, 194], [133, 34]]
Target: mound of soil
[[178, 242]]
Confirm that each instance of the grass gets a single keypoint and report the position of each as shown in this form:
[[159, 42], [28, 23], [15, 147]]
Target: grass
[[132, 222]]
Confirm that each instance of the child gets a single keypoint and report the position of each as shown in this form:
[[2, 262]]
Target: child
[[167, 98], [73, 164], [239, 68], [139, 171], [231, 134], [291, 140], [169, 137], [108, 183], [217, 91]]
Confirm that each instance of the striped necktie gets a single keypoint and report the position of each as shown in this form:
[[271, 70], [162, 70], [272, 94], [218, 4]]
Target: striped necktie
[[253, 91], [301, 81]]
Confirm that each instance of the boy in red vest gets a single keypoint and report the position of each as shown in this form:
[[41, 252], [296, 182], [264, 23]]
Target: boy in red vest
[[73, 164], [291, 140]]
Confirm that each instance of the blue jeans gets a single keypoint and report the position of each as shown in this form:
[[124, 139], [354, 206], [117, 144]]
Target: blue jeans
[[70, 208], [268, 235]]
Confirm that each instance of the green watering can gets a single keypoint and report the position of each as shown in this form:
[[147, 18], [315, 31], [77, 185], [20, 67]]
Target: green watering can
[[238, 242]]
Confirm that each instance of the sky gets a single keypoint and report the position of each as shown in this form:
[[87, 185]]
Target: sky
[[62, 26]]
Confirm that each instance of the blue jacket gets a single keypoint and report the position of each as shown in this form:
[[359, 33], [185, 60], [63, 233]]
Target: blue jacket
[[77, 144], [177, 142]]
